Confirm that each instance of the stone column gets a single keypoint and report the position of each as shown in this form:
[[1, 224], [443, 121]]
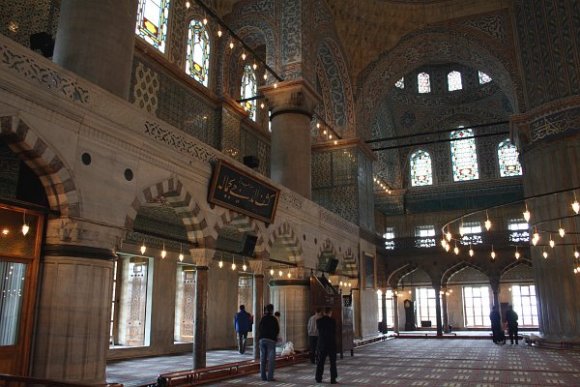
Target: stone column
[[202, 258], [257, 301], [444, 310], [292, 105], [384, 310], [548, 140], [395, 313], [494, 283], [437, 289], [357, 317], [95, 39], [74, 305], [291, 299]]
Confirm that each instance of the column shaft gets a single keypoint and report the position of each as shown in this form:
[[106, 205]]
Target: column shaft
[[258, 303], [200, 324]]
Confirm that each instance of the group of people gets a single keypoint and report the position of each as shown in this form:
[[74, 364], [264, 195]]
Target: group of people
[[497, 330], [321, 333]]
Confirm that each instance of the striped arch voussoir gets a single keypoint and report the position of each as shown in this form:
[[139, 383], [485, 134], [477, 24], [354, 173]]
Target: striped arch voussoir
[[242, 223], [286, 235], [56, 179]]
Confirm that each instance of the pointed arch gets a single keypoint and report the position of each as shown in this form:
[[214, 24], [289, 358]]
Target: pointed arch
[[197, 60], [241, 224], [453, 269], [50, 168], [172, 192]]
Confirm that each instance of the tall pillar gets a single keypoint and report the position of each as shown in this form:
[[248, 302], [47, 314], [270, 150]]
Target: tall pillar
[[395, 313], [72, 323], [494, 283], [384, 310], [290, 298], [202, 258], [292, 105], [257, 301], [437, 289], [548, 137], [444, 312], [95, 39]]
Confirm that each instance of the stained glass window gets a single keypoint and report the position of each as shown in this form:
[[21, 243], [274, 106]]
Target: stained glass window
[[152, 22], [249, 90], [463, 155], [507, 154], [421, 172], [454, 81], [483, 77], [198, 49], [400, 83], [423, 83]]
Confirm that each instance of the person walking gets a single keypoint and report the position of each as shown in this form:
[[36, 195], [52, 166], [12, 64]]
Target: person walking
[[512, 322], [313, 334], [268, 332], [326, 345], [498, 335], [242, 324]]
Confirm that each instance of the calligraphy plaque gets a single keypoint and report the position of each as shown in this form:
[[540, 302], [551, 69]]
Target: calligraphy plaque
[[235, 189]]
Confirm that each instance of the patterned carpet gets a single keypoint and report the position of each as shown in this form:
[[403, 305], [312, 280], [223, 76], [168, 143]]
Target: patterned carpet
[[434, 362]]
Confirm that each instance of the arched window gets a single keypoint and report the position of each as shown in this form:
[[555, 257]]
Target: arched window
[[454, 81], [483, 77], [152, 22], [198, 48], [423, 83], [249, 90], [507, 154], [421, 172], [463, 155]]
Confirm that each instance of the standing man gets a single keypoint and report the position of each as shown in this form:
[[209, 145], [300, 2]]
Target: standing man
[[243, 324], [512, 322], [268, 332], [326, 345], [496, 329], [313, 334]]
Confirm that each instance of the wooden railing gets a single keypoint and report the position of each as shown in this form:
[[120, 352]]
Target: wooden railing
[[223, 371], [26, 381]]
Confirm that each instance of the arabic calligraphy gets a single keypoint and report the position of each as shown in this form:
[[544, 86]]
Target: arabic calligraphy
[[232, 188]]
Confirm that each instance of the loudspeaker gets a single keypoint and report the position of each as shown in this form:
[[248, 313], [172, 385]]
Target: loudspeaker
[[331, 265], [251, 161], [249, 245], [42, 41]]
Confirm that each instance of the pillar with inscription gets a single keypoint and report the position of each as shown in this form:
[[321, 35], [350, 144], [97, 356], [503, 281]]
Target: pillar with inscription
[[547, 134], [292, 105], [72, 327], [95, 39]]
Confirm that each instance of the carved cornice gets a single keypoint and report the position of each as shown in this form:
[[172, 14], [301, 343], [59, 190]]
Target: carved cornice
[[296, 96]]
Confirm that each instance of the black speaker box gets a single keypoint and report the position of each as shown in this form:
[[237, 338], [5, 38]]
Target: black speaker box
[[331, 265], [249, 245]]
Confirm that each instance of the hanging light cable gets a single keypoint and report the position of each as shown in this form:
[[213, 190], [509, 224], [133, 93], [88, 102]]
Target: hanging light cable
[[492, 254], [163, 252], [233, 263], [575, 204], [471, 252], [517, 254]]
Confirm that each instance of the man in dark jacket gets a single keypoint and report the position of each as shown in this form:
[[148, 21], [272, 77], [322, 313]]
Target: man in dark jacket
[[498, 335], [268, 332], [243, 324], [512, 322], [326, 345]]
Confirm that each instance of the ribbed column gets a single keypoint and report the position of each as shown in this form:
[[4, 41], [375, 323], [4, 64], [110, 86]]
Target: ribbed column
[[292, 105], [437, 289], [74, 311], [290, 298], [95, 39]]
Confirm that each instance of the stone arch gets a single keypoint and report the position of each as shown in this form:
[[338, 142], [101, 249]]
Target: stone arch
[[336, 88], [514, 264], [241, 223], [51, 170], [284, 237], [453, 269], [395, 277], [172, 192], [434, 44]]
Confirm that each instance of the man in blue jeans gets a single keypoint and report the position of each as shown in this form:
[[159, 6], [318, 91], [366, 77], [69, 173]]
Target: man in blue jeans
[[268, 332]]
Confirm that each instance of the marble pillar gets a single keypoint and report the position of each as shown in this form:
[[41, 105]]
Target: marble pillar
[[396, 313], [291, 299], [384, 310], [95, 39], [200, 323], [437, 289], [257, 301], [444, 312], [74, 312], [292, 105]]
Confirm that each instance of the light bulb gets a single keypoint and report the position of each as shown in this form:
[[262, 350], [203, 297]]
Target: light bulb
[[280, 273], [221, 264], [271, 271], [448, 236], [163, 254], [576, 254], [527, 214], [492, 254], [181, 257], [143, 248], [25, 229], [232, 45], [562, 232], [456, 250], [576, 206], [254, 66], [552, 243], [461, 231], [204, 21], [187, 4], [219, 33], [275, 85], [262, 105], [545, 254], [447, 248], [487, 224], [233, 266], [289, 275], [517, 254], [244, 267], [265, 76], [535, 238], [443, 243], [471, 252], [243, 56]]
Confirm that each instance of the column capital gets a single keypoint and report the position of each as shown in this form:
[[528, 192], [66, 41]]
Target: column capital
[[296, 96], [83, 232], [202, 256]]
